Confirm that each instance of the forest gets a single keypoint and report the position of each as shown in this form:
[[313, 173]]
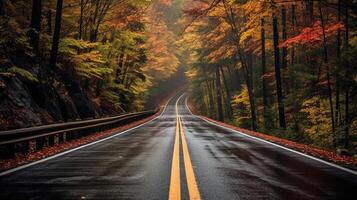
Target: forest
[[77, 59], [284, 68]]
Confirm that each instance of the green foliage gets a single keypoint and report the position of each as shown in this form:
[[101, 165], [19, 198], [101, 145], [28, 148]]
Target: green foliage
[[71, 46], [23, 73], [89, 64]]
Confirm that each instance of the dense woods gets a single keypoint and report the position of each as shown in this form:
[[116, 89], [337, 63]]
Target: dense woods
[[77, 59], [286, 68]]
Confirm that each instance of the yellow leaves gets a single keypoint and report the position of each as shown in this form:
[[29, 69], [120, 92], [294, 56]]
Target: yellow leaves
[[90, 65], [223, 52], [318, 116], [191, 73], [242, 98], [240, 103]]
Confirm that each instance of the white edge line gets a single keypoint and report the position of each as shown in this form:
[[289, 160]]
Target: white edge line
[[277, 145], [83, 146]]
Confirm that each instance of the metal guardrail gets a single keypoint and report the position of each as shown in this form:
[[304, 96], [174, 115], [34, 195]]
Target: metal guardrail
[[71, 130]]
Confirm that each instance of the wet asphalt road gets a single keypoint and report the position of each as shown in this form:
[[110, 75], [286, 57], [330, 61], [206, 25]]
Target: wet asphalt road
[[137, 165]]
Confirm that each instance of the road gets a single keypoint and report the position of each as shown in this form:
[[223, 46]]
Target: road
[[179, 156]]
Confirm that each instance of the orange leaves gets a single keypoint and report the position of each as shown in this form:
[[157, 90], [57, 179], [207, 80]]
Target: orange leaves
[[165, 2], [312, 35], [269, 75], [161, 45]]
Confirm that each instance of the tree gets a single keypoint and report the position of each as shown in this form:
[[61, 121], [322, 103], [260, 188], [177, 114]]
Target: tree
[[35, 25], [56, 35], [279, 89], [264, 79], [219, 95]]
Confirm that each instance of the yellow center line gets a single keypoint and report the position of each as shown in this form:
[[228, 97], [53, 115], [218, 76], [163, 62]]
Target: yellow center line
[[175, 185], [175, 189], [190, 174]]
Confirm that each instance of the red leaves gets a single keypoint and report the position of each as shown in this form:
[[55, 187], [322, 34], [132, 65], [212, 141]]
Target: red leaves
[[49, 151], [312, 35], [323, 154]]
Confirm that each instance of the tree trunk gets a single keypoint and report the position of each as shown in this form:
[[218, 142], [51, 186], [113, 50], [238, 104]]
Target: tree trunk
[[264, 81], [327, 72], [228, 99], [236, 38], [347, 115], [35, 24], [279, 90], [1, 7], [80, 32], [210, 98], [284, 63], [219, 96], [338, 52], [49, 21], [56, 35], [93, 34], [311, 10], [294, 24]]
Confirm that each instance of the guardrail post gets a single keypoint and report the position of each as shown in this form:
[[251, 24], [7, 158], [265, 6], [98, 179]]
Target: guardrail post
[[23, 141], [22, 147], [56, 139], [40, 142], [61, 137], [7, 151], [51, 140]]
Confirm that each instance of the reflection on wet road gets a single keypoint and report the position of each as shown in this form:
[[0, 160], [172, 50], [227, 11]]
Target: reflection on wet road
[[138, 165]]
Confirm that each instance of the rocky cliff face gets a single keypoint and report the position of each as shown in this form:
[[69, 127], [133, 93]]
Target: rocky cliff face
[[25, 102]]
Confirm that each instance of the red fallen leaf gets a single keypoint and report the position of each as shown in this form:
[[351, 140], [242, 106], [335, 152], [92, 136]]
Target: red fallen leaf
[[310, 150], [57, 148]]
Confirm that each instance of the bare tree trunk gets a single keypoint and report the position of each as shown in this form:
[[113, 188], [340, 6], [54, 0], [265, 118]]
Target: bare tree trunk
[[56, 34], [49, 21], [93, 36], [35, 24], [1, 7], [327, 73], [311, 10], [338, 52], [347, 117], [80, 33], [284, 63], [220, 116], [236, 38], [294, 24], [264, 81], [228, 99], [279, 90]]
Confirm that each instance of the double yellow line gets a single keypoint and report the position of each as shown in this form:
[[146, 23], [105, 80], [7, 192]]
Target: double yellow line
[[175, 183]]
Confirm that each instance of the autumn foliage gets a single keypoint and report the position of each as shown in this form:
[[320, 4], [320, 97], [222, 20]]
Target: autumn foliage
[[313, 35]]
